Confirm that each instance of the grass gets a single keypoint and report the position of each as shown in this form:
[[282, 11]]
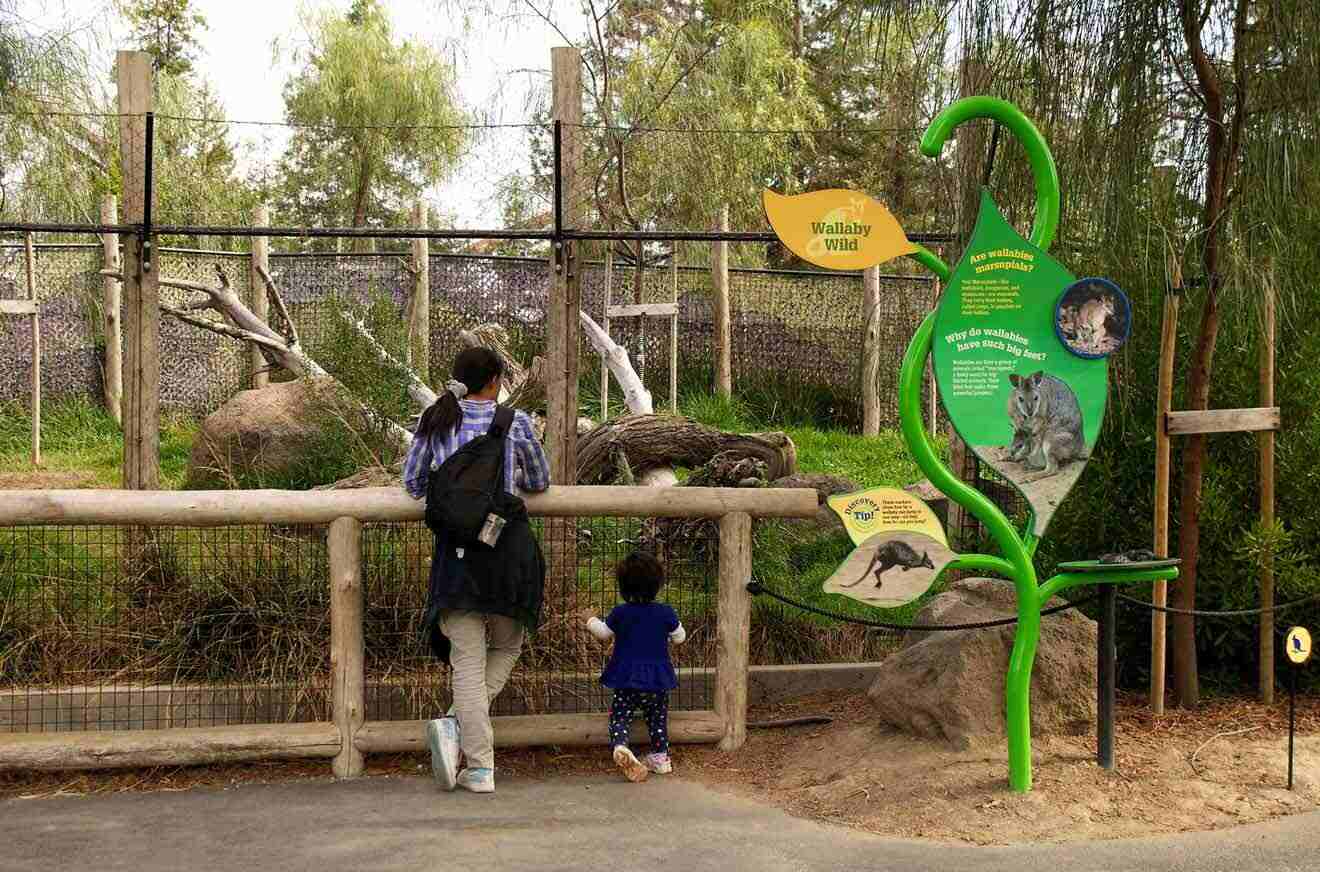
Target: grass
[[80, 437]]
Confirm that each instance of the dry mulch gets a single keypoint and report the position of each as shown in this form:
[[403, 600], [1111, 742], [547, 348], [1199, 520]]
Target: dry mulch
[[1222, 765]]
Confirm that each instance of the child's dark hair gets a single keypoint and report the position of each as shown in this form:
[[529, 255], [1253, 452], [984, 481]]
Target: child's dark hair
[[640, 577], [474, 367]]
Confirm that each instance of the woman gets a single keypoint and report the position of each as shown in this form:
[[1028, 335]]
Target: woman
[[483, 602]]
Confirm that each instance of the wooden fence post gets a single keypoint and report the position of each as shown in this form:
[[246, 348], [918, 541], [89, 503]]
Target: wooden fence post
[[734, 628], [719, 269], [673, 333], [141, 290], [871, 351], [565, 289], [1266, 438], [605, 324], [419, 326], [30, 256], [348, 682], [1163, 405], [110, 303], [260, 260]]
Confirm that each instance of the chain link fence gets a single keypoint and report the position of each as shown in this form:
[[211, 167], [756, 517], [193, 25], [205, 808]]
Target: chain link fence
[[794, 329]]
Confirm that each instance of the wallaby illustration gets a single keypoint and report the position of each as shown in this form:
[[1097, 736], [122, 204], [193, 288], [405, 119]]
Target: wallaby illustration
[[1052, 420], [890, 554], [1021, 445]]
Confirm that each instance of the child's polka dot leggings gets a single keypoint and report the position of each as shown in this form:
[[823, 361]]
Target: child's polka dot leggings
[[653, 706]]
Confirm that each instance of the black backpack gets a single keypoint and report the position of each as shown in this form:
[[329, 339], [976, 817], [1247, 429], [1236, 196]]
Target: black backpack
[[469, 486]]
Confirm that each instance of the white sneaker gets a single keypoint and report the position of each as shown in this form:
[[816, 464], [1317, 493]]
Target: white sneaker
[[477, 780], [660, 764], [631, 766], [442, 738]]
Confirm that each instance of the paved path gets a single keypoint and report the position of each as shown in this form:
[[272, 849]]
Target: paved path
[[572, 824]]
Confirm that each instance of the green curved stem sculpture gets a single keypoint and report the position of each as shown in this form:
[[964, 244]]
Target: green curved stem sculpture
[[1017, 549]]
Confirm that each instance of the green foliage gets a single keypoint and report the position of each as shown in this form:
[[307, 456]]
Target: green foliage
[[167, 30], [376, 122]]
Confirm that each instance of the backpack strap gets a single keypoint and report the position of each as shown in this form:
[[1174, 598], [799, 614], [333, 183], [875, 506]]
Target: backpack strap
[[500, 429], [503, 423]]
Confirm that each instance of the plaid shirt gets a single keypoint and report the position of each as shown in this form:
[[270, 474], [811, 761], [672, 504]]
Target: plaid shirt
[[523, 455]]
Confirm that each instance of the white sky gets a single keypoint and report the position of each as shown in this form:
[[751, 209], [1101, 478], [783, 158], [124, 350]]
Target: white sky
[[502, 68]]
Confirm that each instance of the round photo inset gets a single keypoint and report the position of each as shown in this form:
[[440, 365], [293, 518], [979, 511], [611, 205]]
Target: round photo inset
[[1093, 318]]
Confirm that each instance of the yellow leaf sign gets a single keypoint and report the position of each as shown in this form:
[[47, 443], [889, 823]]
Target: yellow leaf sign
[[836, 229]]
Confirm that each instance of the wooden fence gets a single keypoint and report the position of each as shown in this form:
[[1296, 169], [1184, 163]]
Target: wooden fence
[[347, 737]]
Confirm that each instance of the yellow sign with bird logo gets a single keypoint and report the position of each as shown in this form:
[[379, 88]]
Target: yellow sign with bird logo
[[836, 228]]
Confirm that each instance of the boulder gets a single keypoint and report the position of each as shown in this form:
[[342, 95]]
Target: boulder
[[950, 685], [265, 431], [826, 486]]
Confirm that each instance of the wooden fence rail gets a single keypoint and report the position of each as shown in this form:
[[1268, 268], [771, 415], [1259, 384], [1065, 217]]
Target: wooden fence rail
[[348, 736]]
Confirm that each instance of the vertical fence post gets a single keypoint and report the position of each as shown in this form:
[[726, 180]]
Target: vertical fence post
[[719, 268], [30, 258], [348, 683], [1163, 403], [605, 322], [1106, 656], [110, 302], [1266, 437], [673, 332], [870, 376], [565, 289], [141, 289], [260, 260], [734, 628], [419, 327]]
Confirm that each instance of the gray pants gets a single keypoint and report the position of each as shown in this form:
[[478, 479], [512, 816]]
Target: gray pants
[[483, 649]]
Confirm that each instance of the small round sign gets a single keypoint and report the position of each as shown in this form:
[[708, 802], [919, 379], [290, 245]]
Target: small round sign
[[1298, 645], [1093, 318]]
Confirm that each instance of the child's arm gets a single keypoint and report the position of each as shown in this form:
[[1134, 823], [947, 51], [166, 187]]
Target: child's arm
[[678, 634], [596, 627]]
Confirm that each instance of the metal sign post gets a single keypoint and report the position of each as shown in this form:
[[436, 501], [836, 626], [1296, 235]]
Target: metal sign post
[[1297, 645]]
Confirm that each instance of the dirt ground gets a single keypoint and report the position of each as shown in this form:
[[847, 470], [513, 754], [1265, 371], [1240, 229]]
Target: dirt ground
[[1221, 766]]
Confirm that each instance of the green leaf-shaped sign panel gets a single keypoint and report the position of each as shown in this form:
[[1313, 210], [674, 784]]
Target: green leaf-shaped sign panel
[[1026, 405]]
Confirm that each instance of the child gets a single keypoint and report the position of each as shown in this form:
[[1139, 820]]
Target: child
[[639, 671]]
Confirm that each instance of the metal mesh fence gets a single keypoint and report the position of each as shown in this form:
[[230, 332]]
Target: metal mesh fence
[[792, 328], [115, 628]]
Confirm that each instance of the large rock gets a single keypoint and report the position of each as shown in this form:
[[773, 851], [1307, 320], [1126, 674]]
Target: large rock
[[950, 685], [825, 487], [265, 431]]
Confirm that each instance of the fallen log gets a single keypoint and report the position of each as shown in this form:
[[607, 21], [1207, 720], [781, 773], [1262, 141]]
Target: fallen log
[[662, 441]]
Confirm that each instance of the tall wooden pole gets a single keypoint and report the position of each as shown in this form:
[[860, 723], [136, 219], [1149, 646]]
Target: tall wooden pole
[[1266, 437], [719, 269], [673, 333], [733, 621], [260, 300], [141, 292], [30, 257], [1163, 404], [110, 303], [871, 352], [419, 328], [565, 288], [605, 323]]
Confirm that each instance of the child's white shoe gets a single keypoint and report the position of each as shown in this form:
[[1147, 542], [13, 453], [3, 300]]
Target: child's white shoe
[[660, 764], [631, 766]]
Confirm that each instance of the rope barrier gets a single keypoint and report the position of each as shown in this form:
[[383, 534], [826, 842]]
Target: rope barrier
[[1232, 613], [757, 587]]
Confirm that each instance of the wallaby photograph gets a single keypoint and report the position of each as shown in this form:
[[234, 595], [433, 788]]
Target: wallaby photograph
[[1093, 318], [891, 568], [890, 554], [1047, 425]]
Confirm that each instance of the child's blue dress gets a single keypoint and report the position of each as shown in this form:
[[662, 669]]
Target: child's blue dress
[[641, 648]]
